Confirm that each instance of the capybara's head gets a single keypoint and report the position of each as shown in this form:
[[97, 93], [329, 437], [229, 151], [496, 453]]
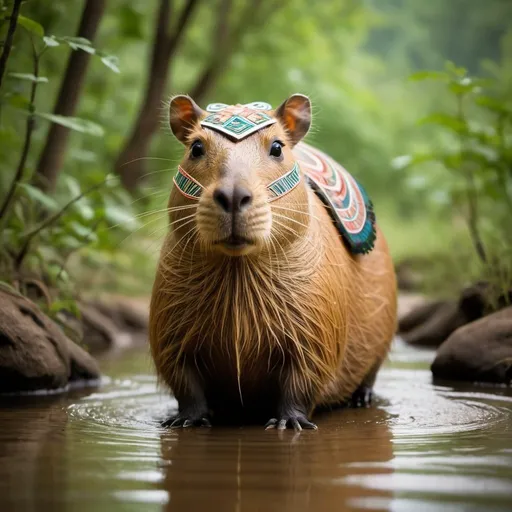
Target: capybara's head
[[239, 194]]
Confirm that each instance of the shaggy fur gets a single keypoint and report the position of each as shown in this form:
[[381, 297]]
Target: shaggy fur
[[297, 318]]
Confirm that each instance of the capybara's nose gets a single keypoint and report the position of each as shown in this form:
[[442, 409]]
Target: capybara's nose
[[233, 200]]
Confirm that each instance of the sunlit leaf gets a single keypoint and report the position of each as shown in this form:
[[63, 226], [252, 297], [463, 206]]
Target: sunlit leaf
[[29, 77], [72, 185], [78, 43], [31, 25], [51, 41], [111, 62], [119, 216], [76, 40], [84, 209], [465, 85], [38, 196], [406, 161], [74, 123], [80, 230]]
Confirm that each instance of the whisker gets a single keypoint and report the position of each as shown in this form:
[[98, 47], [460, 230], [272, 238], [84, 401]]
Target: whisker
[[296, 211], [146, 158], [292, 220]]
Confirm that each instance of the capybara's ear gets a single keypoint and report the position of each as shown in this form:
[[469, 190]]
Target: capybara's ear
[[183, 115], [295, 115]]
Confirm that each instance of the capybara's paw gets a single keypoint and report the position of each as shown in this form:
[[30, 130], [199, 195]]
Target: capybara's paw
[[187, 420], [295, 421], [362, 397]]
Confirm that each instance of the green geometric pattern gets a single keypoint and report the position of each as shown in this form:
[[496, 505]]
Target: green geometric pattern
[[238, 121], [285, 183], [188, 187]]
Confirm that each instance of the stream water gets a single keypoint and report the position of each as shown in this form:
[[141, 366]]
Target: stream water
[[421, 447]]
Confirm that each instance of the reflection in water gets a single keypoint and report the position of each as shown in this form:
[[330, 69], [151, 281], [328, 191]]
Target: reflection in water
[[32, 452], [247, 469], [421, 447]]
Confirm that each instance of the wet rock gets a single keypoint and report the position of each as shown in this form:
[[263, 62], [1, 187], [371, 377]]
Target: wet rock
[[128, 314], [34, 352], [431, 323], [116, 322], [436, 322], [418, 314], [480, 351], [99, 331]]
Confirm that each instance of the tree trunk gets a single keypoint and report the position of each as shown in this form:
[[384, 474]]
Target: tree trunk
[[52, 156], [129, 165]]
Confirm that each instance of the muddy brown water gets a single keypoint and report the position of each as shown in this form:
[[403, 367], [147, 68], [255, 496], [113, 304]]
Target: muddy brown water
[[421, 447]]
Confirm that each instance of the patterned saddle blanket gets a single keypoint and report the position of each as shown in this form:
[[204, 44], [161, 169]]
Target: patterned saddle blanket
[[347, 202]]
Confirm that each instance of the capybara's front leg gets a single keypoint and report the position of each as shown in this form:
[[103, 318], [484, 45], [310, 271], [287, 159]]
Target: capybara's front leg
[[294, 404], [192, 405]]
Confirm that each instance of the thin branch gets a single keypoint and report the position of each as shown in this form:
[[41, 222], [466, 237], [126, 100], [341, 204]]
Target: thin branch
[[48, 221], [226, 43], [472, 198], [13, 21], [28, 137], [185, 16]]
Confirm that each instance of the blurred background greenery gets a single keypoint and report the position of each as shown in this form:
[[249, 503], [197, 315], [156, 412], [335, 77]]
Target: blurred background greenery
[[412, 97]]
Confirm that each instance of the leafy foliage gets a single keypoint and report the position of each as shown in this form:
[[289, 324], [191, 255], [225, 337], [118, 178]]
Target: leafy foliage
[[351, 57], [475, 164]]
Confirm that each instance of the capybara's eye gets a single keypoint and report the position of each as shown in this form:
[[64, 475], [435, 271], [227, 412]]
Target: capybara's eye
[[276, 149], [197, 149]]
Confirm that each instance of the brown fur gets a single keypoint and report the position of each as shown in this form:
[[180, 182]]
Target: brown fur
[[294, 311]]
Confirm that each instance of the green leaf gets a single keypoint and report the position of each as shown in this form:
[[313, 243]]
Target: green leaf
[[428, 75], [65, 305], [74, 123], [84, 232], [73, 186], [31, 25], [84, 209], [454, 70], [51, 41], [29, 77], [493, 104], [38, 196], [84, 47], [406, 161], [119, 216], [111, 62], [76, 40], [70, 243], [19, 101], [446, 120], [465, 85], [78, 43]]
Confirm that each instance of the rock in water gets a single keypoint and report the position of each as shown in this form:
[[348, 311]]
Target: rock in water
[[480, 351], [431, 323], [34, 352]]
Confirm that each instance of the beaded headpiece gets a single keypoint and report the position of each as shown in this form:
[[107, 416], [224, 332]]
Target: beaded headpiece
[[238, 121]]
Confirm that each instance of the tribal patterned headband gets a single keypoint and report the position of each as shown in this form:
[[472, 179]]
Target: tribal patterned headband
[[237, 122]]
